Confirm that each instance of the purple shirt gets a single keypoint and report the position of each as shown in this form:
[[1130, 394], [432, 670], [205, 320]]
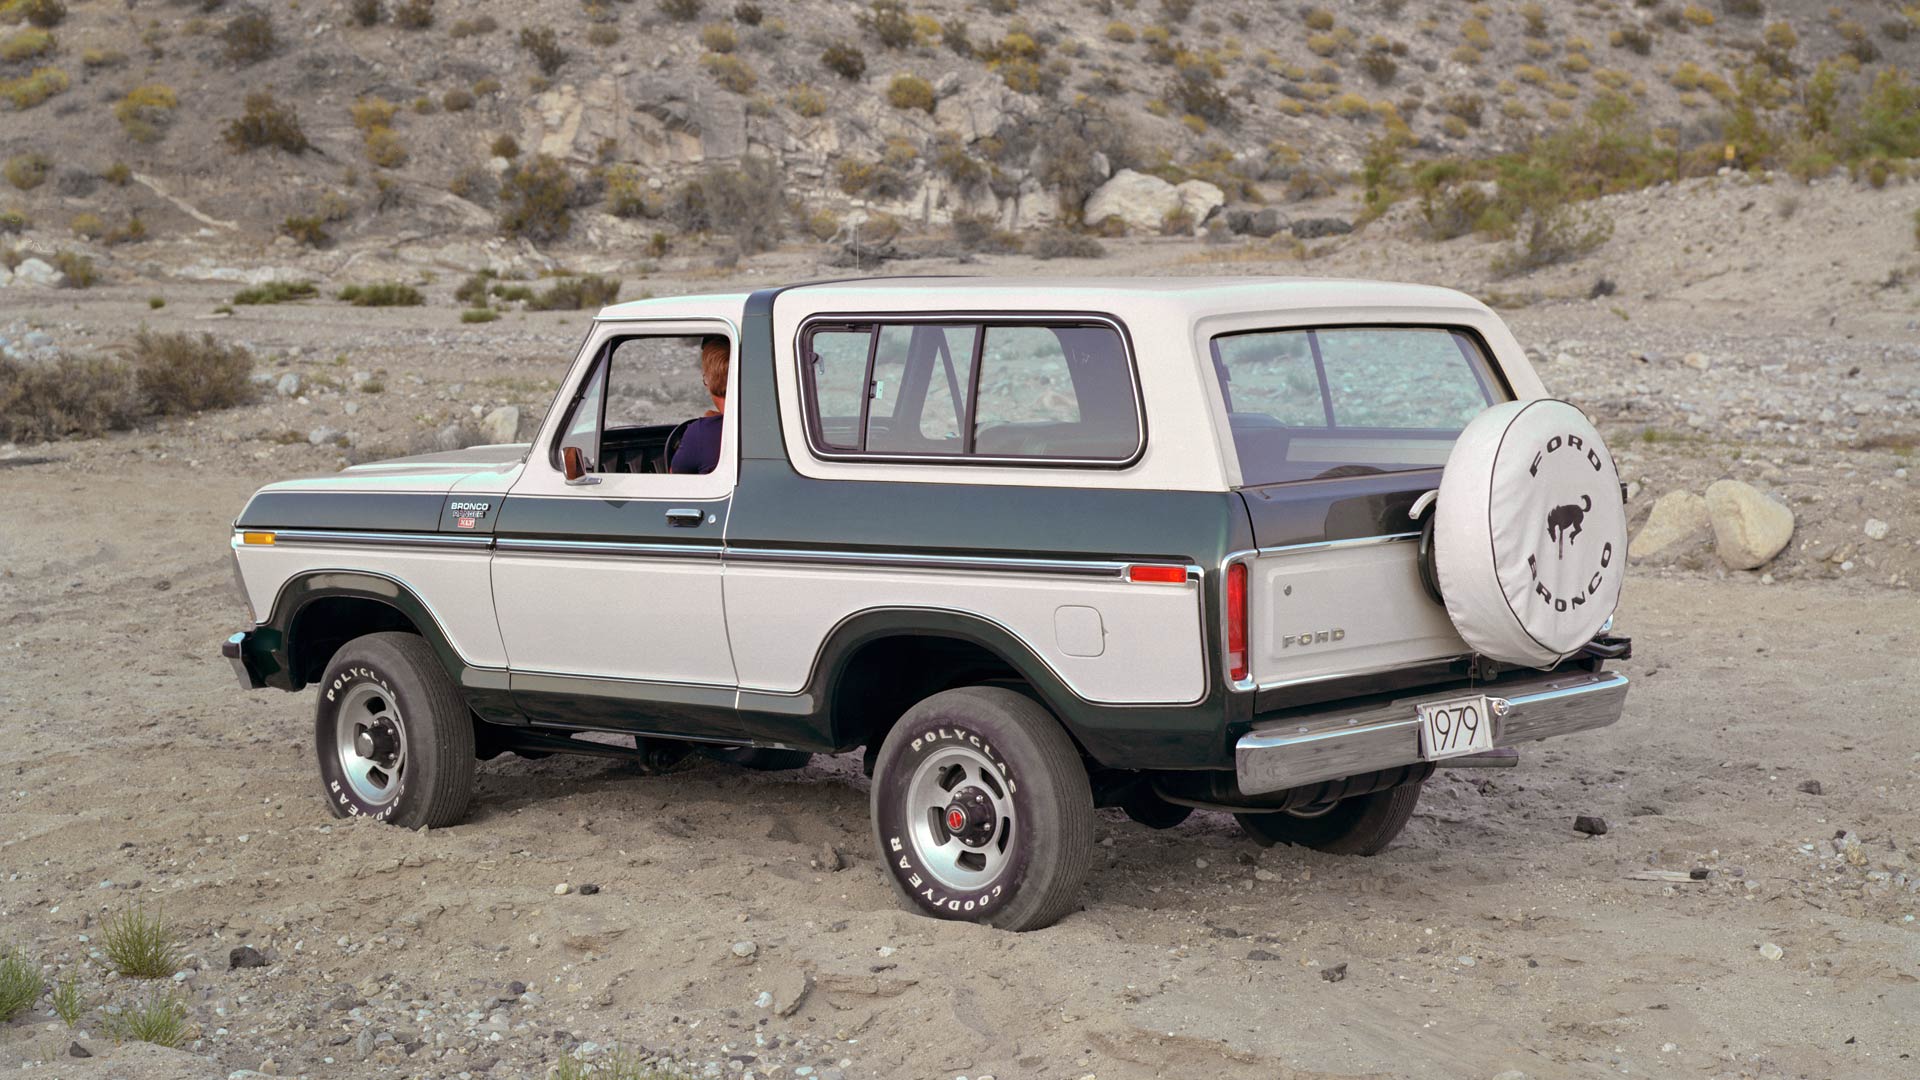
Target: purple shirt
[[699, 449]]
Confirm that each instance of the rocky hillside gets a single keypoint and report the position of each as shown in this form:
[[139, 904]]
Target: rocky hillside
[[154, 136]]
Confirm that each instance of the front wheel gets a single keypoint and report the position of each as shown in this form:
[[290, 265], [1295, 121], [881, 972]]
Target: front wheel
[[1362, 825], [393, 736], [982, 810]]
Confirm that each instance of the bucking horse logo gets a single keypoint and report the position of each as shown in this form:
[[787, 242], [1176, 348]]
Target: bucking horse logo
[[1564, 522]]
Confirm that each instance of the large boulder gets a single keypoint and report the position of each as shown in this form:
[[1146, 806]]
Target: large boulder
[[502, 425], [38, 272], [1200, 199], [1677, 516], [1749, 529], [1140, 201]]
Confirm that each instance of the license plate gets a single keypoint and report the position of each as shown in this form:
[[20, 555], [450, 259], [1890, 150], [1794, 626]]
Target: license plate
[[1455, 727]]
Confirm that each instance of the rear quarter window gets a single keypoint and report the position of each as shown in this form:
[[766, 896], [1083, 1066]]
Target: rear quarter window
[[1349, 401]]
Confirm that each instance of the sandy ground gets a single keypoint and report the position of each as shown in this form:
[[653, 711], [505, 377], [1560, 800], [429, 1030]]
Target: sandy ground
[[1492, 937]]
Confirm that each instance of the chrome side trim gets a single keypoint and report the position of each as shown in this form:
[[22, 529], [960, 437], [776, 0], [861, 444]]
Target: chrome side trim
[[617, 548], [378, 539], [1353, 542], [1330, 744], [606, 686], [874, 560]]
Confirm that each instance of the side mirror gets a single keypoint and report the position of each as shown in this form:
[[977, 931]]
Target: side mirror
[[574, 464]]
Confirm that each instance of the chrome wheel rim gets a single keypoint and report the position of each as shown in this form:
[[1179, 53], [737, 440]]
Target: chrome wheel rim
[[370, 741], [960, 818]]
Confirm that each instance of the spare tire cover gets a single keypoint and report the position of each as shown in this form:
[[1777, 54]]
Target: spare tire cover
[[1530, 535]]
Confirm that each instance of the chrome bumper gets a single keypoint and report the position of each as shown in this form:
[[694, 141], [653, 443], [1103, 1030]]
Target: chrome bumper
[[1329, 745], [235, 651]]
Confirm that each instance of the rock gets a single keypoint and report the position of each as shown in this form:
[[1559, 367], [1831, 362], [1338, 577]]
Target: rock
[[1315, 228], [289, 385], [245, 956], [1510, 1074], [744, 949], [1812, 787], [1697, 361], [1336, 973], [1875, 529], [1770, 951], [1138, 200], [501, 425], [75, 1049], [1590, 824], [562, 889], [363, 1042], [830, 859], [790, 990], [1748, 528], [1199, 199], [1465, 961], [587, 890], [322, 435], [1260, 955], [38, 272], [1676, 516]]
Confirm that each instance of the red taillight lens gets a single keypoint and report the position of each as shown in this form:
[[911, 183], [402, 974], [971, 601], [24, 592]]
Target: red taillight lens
[[1171, 575], [1237, 622]]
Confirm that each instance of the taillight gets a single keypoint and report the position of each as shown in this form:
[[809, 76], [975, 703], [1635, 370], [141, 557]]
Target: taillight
[[1237, 622]]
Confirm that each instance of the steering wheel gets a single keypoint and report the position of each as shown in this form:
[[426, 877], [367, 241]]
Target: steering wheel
[[673, 444]]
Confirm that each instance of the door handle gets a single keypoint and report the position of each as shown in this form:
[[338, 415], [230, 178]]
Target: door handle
[[685, 519]]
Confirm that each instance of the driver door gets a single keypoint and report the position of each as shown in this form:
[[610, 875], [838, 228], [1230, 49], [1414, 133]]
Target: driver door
[[608, 583]]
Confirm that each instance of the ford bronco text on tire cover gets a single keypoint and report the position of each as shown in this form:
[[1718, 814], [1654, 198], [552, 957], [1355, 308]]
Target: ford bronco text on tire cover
[[1278, 548]]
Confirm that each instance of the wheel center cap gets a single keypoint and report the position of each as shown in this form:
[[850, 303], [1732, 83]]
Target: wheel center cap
[[970, 817], [375, 743]]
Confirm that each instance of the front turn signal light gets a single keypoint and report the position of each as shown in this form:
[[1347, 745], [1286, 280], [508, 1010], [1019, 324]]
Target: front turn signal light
[[253, 538]]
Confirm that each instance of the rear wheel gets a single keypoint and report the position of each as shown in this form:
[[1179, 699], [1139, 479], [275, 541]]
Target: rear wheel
[[394, 739], [982, 810], [1362, 825]]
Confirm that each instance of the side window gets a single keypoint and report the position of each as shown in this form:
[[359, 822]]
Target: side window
[[642, 390], [990, 389]]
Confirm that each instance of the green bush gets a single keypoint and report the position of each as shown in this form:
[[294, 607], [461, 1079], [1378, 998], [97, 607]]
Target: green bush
[[577, 294], [910, 92], [249, 37], [681, 10], [139, 945], [20, 986], [308, 229], [267, 123], [77, 268], [505, 146], [147, 111], [544, 45], [68, 1002], [276, 292], [382, 294], [179, 374], [844, 60], [41, 13], [161, 1019], [25, 45], [730, 71], [627, 193], [888, 22], [536, 197], [479, 315], [29, 90], [29, 170], [413, 14]]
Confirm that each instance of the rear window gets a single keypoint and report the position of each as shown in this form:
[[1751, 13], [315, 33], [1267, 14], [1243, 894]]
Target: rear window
[[1052, 390], [1308, 404]]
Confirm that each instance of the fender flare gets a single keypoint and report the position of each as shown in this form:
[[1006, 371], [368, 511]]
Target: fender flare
[[301, 591]]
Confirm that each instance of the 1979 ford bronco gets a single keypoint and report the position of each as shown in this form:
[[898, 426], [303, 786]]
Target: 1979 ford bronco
[[1271, 547]]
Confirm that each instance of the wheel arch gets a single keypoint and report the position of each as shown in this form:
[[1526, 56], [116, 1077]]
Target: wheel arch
[[317, 611]]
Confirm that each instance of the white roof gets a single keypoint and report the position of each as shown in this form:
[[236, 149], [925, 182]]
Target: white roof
[[1200, 295]]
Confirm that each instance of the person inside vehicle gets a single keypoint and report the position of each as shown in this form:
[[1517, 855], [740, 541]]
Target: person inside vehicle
[[699, 449]]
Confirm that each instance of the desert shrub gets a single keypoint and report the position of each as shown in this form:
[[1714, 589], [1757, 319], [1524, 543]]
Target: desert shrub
[[139, 945], [41, 13], [577, 294], [306, 229], [474, 27], [536, 197], [179, 374], [1635, 39], [267, 123], [372, 112], [627, 193], [730, 71], [603, 35], [72, 396], [1003, 7], [249, 37], [1380, 67], [25, 45], [910, 92], [479, 315], [544, 46], [29, 90], [364, 12], [382, 294], [1886, 123], [1745, 9], [954, 35], [844, 60], [505, 146], [276, 292], [1194, 92], [719, 37], [87, 226], [747, 14], [29, 170], [952, 159], [806, 101], [13, 221], [1065, 244], [131, 231], [20, 981], [147, 111], [161, 1020], [747, 204], [68, 1003], [413, 14], [384, 147], [1450, 204], [681, 10], [458, 99], [93, 59], [77, 268], [887, 21], [1120, 32]]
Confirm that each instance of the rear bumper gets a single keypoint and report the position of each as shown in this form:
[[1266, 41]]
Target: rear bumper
[[251, 664], [1331, 744]]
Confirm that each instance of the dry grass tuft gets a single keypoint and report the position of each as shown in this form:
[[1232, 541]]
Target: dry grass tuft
[[20, 985]]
